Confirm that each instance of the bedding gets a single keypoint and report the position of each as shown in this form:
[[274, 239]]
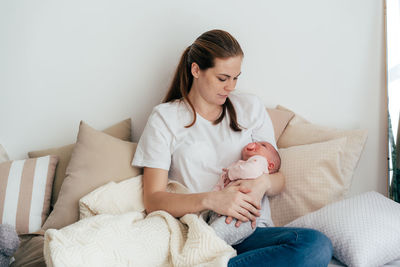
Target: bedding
[[31, 252], [116, 199], [131, 239]]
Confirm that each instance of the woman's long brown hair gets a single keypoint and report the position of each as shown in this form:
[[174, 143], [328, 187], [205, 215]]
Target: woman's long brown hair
[[205, 49]]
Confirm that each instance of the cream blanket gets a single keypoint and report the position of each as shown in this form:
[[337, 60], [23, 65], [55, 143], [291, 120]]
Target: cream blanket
[[114, 231]]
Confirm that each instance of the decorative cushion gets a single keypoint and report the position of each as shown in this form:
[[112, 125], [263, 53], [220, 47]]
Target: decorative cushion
[[121, 130], [364, 229], [280, 119], [3, 155], [97, 158], [25, 191], [301, 132], [296, 119], [313, 179]]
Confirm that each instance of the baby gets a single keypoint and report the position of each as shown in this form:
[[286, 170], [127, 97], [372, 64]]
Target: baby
[[257, 158]]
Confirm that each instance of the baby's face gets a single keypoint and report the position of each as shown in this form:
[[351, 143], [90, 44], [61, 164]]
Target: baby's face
[[256, 148]]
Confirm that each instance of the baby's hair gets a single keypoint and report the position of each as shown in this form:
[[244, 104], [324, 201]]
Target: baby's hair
[[275, 158]]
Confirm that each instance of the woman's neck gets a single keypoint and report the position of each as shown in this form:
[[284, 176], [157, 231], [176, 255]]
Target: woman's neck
[[205, 109]]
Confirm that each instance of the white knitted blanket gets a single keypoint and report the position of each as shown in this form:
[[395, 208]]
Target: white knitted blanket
[[130, 238]]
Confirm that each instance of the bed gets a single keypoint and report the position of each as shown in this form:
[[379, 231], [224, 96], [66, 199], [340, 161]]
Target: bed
[[311, 194]]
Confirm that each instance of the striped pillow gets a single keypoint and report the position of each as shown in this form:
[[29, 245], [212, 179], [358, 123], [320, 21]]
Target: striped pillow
[[25, 192]]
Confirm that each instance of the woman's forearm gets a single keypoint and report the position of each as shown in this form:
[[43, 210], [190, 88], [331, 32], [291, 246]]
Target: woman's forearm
[[155, 196], [176, 204], [231, 201], [180, 204], [276, 183]]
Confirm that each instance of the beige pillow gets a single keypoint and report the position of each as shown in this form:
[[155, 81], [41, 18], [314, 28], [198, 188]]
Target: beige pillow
[[280, 119], [25, 191], [301, 132], [296, 119], [313, 179], [97, 158], [121, 130]]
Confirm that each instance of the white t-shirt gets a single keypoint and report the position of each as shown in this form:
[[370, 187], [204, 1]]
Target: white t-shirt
[[195, 156]]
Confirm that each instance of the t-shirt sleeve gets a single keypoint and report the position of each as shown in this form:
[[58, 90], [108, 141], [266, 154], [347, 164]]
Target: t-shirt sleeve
[[263, 130], [154, 147]]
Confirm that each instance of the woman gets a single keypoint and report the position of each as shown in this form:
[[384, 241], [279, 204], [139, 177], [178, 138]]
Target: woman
[[200, 128]]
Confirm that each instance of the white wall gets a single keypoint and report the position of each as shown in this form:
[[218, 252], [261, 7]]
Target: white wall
[[103, 61]]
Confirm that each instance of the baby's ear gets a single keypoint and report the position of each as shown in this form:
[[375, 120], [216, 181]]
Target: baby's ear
[[271, 166]]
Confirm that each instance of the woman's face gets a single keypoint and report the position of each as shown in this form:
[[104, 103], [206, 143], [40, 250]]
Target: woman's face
[[214, 84]]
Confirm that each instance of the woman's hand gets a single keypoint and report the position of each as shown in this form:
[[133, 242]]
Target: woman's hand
[[255, 189], [234, 201]]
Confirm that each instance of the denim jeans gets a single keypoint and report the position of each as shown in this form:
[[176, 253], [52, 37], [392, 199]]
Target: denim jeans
[[283, 246]]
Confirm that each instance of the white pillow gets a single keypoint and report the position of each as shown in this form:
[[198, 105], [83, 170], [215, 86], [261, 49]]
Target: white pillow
[[364, 229], [3, 155], [118, 198], [113, 198]]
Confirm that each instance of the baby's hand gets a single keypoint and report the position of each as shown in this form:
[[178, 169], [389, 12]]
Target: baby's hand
[[226, 181], [224, 169]]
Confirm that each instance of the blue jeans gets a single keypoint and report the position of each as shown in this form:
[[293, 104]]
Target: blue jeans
[[283, 246]]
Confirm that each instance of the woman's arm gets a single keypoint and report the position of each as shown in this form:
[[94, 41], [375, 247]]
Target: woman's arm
[[268, 184], [230, 201], [276, 183], [156, 198]]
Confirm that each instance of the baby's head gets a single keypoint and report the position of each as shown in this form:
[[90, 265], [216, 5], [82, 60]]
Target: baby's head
[[266, 150]]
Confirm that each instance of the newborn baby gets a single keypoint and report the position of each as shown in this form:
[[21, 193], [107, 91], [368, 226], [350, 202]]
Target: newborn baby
[[257, 158]]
